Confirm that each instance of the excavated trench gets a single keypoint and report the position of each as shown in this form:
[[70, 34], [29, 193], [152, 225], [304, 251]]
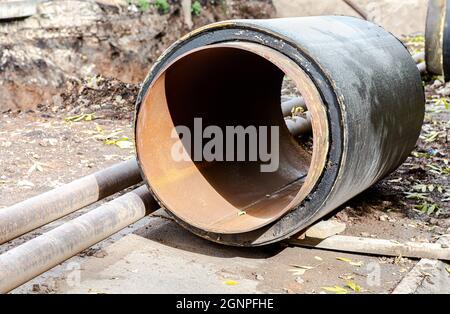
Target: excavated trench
[[39, 55]]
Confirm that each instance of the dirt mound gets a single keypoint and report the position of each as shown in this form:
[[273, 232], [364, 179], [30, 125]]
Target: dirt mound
[[77, 39], [95, 97]]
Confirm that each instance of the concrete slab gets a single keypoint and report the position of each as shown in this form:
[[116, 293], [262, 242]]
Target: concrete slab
[[12, 9], [162, 257], [399, 17]]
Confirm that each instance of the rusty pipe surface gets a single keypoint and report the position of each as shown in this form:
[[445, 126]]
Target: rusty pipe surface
[[37, 211], [366, 111], [42, 253]]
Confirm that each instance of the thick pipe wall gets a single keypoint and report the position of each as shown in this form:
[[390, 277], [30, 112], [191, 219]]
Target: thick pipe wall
[[42, 209], [40, 254]]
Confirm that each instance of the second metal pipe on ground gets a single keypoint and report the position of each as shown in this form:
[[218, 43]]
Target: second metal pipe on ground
[[47, 207], [40, 254]]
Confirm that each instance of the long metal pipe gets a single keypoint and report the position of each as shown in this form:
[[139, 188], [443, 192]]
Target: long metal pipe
[[47, 207], [40, 254]]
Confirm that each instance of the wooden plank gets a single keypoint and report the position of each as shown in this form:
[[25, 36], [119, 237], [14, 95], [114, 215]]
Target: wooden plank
[[381, 247]]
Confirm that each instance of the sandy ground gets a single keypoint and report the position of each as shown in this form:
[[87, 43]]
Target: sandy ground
[[398, 17], [81, 133]]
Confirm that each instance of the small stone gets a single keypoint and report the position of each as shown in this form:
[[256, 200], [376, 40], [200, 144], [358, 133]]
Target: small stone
[[325, 229], [299, 280]]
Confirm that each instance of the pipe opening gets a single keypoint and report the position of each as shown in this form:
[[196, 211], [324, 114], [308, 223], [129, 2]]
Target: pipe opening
[[230, 94]]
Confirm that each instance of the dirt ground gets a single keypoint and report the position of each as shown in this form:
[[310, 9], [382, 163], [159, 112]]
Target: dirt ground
[[88, 126]]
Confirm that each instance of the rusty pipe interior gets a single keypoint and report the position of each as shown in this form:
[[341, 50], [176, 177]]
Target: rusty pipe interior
[[229, 84]]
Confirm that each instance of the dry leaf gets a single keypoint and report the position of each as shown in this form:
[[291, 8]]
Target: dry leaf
[[357, 264], [124, 144], [298, 272], [230, 282], [343, 259], [299, 269], [353, 286], [78, 118], [335, 289], [99, 129], [242, 213]]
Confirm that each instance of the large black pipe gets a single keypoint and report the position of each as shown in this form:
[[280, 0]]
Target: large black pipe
[[361, 87]]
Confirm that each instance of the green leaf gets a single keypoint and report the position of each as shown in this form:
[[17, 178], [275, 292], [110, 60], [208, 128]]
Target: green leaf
[[196, 8]]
